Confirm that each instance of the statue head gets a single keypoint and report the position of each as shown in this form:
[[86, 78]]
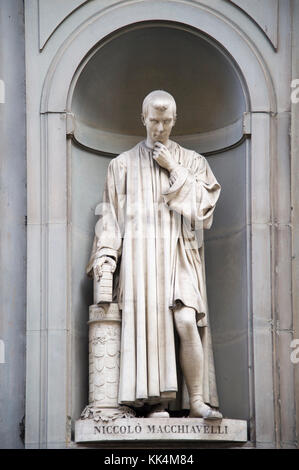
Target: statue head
[[158, 115]]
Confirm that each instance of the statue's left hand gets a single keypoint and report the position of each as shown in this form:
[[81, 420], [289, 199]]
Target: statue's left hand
[[163, 157], [100, 262]]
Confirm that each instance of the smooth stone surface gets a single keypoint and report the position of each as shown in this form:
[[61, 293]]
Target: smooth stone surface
[[165, 429], [13, 233], [264, 13]]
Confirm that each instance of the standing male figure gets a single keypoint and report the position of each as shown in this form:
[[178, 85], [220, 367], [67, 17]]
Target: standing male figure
[[157, 200]]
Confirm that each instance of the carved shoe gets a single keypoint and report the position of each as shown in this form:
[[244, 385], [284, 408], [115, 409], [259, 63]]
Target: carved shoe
[[200, 410], [158, 411]]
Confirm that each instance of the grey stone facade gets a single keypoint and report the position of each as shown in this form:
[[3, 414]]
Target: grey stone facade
[[13, 225], [251, 138]]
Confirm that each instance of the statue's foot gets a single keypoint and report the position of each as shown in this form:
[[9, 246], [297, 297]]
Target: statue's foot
[[158, 411], [200, 410]]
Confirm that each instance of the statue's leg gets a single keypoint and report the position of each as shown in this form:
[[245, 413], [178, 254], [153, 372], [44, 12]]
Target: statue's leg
[[192, 362], [191, 352]]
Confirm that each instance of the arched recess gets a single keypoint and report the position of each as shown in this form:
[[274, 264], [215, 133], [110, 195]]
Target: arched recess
[[54, 257], [211, 101]]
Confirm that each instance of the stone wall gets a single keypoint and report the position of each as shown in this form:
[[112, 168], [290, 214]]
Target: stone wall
[[59, 36], [13, 224]]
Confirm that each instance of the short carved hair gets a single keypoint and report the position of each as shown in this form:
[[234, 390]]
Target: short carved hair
[[159, 99]]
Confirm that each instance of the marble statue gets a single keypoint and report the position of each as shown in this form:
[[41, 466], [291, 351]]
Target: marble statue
[[158, 199]]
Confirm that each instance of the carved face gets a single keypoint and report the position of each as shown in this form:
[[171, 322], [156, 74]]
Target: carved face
[[159, 124]]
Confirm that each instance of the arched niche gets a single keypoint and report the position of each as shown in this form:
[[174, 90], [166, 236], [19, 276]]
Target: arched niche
[[57, 312], [205, 82], [211, 102]]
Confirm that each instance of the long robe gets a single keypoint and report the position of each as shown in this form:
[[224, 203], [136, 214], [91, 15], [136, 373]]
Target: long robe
[[152, 223]]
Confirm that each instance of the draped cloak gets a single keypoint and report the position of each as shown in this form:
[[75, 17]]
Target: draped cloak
[[152, 223]]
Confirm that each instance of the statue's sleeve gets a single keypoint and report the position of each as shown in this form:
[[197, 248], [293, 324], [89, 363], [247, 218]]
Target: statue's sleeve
[[193, 192], [108, 233]]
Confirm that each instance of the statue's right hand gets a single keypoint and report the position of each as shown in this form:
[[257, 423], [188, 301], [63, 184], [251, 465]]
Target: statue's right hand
[[98, 266]]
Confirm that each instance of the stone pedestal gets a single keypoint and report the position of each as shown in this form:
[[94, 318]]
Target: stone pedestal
[[104, 420], [163, 429], [104, 353]]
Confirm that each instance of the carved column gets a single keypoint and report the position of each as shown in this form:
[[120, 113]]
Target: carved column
[[104, 354]]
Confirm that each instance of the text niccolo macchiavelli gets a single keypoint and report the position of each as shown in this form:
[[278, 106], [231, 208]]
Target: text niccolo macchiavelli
[[161, 429]]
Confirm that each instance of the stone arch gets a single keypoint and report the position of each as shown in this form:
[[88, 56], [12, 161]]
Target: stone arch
[[79, 44]]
